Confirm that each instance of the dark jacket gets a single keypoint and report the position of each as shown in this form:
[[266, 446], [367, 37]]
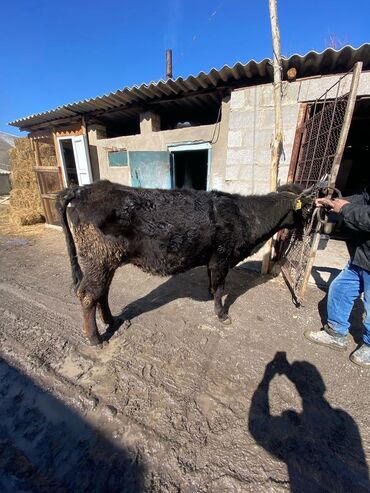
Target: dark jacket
[[356, 217]]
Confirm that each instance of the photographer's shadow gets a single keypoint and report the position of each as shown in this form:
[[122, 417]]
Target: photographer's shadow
[[321, 445]]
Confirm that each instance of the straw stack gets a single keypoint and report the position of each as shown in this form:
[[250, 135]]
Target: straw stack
[[47, 154], [25, 203]]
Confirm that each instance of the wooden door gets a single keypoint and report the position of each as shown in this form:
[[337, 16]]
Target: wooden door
[[50, 182]]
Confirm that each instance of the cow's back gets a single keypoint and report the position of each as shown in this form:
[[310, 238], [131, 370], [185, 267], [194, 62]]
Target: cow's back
[[161, 231]]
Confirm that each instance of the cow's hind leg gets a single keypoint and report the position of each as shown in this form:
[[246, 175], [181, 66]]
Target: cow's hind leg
[[92, 290], [90, 328], [217, 278], [103, 304]]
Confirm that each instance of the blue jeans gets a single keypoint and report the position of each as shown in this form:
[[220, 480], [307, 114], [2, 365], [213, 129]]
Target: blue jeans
[[343, 292]]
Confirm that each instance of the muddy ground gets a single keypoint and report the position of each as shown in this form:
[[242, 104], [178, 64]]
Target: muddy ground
[[176, 402]]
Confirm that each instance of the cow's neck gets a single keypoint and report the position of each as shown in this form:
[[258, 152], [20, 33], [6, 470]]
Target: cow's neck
[[265, 215]]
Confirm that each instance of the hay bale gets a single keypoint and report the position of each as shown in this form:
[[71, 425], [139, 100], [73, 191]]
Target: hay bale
[[25, 203], [47, 154], [23, 217], [22, 198]]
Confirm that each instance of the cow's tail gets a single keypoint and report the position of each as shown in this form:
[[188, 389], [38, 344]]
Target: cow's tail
[[63, 199]]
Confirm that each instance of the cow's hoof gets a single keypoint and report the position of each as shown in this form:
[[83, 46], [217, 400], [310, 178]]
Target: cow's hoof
[[225, 320]]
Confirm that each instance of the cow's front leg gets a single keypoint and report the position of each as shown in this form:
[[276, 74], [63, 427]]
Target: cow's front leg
[[219, 308], [217, 280]]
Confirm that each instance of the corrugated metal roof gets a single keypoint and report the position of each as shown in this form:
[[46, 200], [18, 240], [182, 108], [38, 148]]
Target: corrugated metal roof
[[310, 64]]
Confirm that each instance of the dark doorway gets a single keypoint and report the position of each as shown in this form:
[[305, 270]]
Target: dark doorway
[[354, 171], [190, 169], [66, 147]]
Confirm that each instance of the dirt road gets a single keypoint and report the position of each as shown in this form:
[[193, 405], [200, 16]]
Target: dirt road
[[176, 402]]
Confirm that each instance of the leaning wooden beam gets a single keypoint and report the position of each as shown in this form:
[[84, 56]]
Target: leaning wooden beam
[[36, 151]]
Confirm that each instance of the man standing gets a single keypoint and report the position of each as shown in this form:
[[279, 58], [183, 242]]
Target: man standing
[[351, 282]]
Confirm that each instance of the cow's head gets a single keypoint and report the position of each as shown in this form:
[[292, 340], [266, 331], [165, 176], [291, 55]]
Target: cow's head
[[302, 206]]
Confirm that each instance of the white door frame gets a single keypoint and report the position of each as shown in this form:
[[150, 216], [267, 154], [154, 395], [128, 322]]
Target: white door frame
[[194, 146], [74, 138]]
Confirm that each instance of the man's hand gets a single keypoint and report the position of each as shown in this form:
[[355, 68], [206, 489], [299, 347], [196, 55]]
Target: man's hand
[[334, 205]]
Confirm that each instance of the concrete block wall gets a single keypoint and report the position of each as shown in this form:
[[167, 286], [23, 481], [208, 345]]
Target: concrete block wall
[[251, 131], [251, 128]]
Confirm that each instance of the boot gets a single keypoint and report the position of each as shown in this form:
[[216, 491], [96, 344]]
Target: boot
[[327, 337], [361, 356]]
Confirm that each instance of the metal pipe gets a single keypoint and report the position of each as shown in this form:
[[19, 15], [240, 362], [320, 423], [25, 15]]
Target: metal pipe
[[168, 64]]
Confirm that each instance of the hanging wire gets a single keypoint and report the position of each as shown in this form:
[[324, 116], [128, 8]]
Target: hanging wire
[[217, 126]]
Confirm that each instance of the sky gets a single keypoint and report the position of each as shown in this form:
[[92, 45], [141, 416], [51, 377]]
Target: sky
[[58, 52]]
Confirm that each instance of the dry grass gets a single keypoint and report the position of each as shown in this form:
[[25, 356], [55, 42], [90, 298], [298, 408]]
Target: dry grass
[[11, 229], [47, 154], [25, 204]]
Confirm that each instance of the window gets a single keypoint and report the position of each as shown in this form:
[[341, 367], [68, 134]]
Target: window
[[117, 158]]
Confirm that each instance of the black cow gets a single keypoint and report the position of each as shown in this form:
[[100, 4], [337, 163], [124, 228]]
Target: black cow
[[165, 232]]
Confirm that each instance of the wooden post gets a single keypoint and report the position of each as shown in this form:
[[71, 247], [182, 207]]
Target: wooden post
[[37, 152], [278, 137], [59, 159]]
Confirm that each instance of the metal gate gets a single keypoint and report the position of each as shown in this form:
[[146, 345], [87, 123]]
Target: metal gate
[[324, 135]]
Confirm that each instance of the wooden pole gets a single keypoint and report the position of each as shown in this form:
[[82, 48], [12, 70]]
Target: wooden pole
[[278, 137], [36, 152]]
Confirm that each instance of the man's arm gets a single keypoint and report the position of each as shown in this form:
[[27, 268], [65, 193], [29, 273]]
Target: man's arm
[[356, 216]]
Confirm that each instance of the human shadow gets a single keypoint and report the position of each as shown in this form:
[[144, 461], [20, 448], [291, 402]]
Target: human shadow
[[321, 445], [192, 284], [356, 316], [45, 447]]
